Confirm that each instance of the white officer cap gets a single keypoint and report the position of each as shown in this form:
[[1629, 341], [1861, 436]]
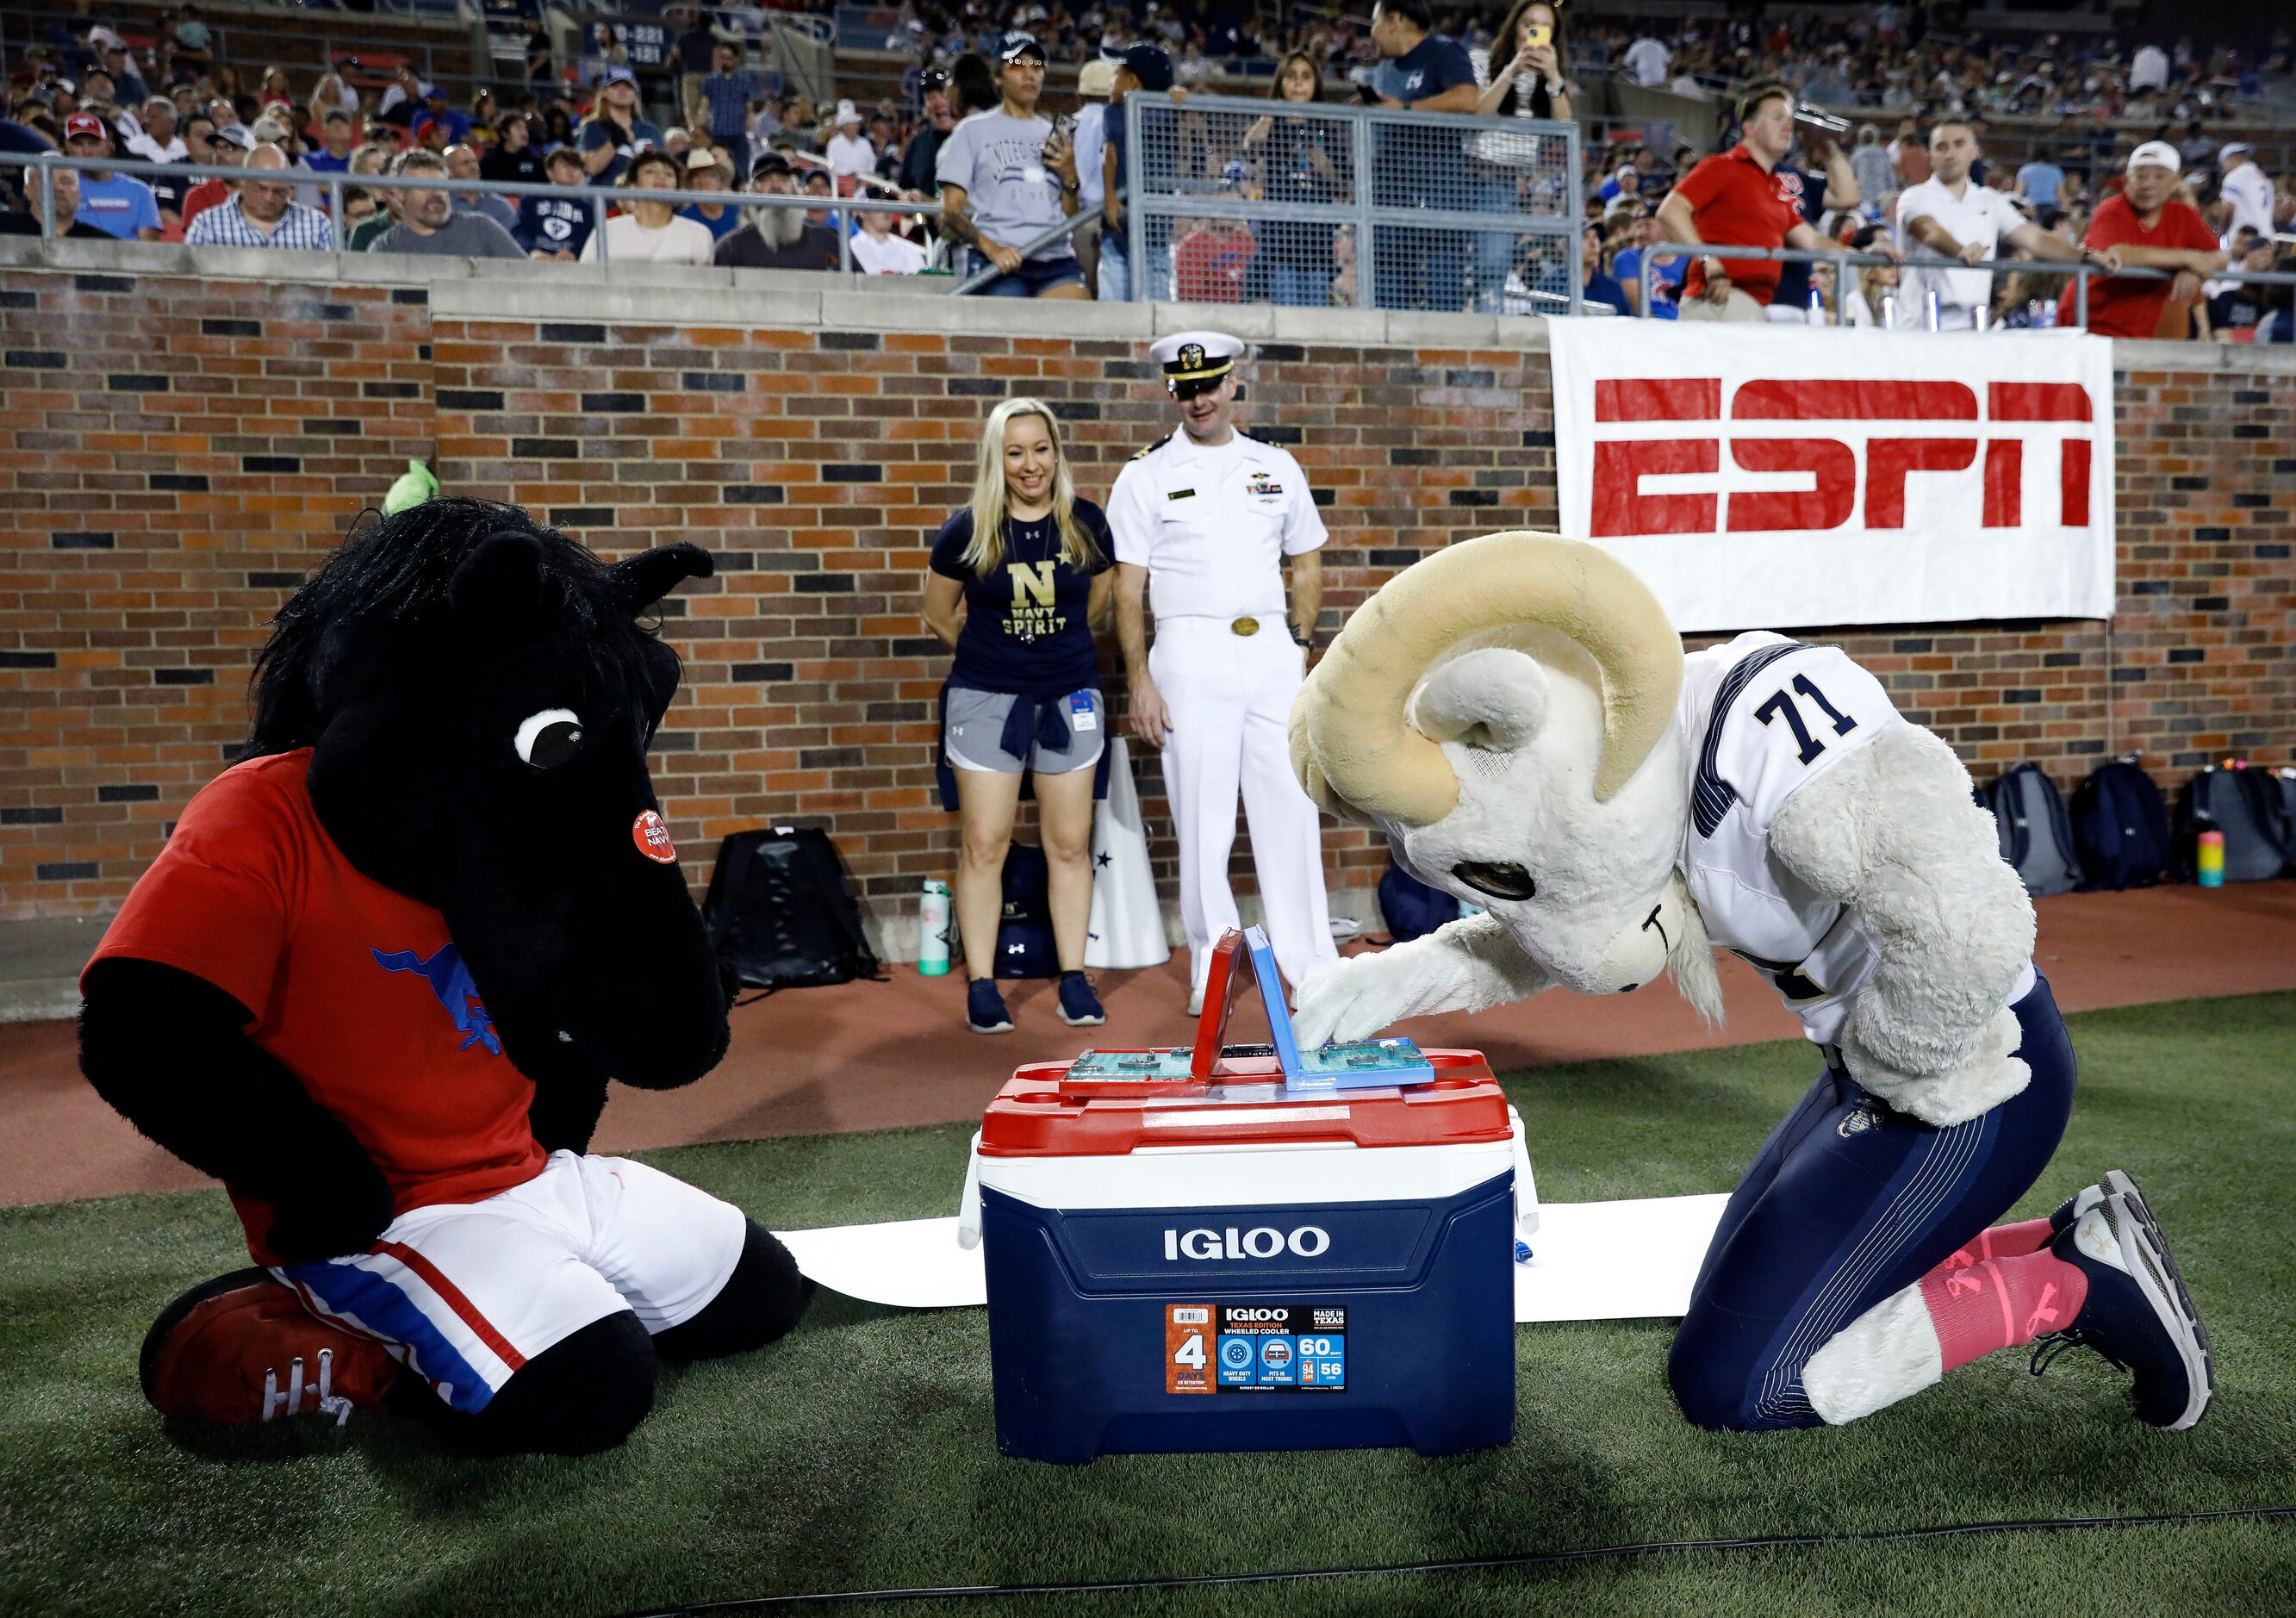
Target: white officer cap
[[1193, 362]]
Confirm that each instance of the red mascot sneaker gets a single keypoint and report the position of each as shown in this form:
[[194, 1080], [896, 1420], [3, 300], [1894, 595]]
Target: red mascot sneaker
[[243, 1348]]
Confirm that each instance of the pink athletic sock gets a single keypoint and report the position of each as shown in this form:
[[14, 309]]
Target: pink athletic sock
[[2003, 1241], [1997, 1303]]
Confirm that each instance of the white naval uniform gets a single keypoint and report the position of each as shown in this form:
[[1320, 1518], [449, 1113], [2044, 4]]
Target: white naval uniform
[[1764, 715], [1211, 526]]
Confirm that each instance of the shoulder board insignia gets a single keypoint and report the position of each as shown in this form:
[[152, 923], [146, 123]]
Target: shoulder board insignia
[[1143, 452]]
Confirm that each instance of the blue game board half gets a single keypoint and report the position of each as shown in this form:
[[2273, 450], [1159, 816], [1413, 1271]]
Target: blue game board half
[[1360, 1065]]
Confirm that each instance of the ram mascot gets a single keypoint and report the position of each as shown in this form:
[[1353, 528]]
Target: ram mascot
[[1517, 716], [377, 983]]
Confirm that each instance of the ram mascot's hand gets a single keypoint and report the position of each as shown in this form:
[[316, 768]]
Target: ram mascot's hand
[[1503, 712]]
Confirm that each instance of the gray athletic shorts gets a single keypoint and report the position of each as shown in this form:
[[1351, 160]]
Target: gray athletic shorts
[[973, 738]]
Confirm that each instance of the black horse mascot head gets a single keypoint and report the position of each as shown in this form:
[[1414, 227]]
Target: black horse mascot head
[[478, 693]]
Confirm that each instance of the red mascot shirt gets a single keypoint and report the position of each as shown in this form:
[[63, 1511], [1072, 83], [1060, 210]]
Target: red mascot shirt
[[357, 990]]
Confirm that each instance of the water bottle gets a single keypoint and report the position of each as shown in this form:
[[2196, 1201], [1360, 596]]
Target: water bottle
[[932, 929], [2210, 860], [1888, 310], [1817, 306], [1934, 314], [2047, 314]]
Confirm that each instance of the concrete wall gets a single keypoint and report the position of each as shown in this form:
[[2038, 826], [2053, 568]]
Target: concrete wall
[[181, 444]]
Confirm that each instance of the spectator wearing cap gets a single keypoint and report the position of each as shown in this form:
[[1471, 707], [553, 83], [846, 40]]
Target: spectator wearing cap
[[850, 152], [66, 182], [430, 222], [334, 157], [1598, 287], [2147, 227], [709, 174], [1007, 177], [452, 126], [2247, 187], [614, 132], [651, 232], [557, 227], [920, 158], [1736, 198], [1425, 72], [722, 101], [1954, 216], [226, 149], [777, 238], [263, 213], [1141, 67], [111, 202]]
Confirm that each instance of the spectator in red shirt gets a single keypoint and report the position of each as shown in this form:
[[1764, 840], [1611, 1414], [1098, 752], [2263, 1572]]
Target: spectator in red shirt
[[1736, 198], [2147, 227]]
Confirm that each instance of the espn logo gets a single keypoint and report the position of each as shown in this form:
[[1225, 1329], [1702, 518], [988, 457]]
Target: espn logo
[[1876, 459]]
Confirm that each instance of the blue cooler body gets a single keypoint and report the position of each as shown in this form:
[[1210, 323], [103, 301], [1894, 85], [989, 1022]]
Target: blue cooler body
[[1186, 1261]]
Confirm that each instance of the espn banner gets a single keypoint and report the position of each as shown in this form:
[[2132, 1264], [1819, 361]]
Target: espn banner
[[1766, 477]]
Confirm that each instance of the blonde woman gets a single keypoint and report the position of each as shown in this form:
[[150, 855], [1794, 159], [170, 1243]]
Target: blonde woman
[[1018, 579]]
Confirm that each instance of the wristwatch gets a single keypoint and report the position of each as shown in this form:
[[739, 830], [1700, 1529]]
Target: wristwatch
[[1307, 639], [1714, 265]]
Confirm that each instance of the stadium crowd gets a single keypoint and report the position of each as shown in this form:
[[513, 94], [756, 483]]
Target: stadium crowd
[[1866, 133]]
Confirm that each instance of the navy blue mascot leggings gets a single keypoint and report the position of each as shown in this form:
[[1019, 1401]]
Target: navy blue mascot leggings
[[1847, 1204]]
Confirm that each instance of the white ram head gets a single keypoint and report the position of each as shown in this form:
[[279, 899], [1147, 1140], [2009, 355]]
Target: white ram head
[[1504, 711]]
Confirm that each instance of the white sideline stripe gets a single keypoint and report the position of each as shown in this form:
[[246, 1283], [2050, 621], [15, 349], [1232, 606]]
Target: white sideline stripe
[[1234, 1174]]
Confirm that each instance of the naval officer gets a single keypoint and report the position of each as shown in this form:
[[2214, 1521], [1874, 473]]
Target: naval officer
[[1203, 523]]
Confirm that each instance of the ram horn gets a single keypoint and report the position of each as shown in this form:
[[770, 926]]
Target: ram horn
[[1351, 742]]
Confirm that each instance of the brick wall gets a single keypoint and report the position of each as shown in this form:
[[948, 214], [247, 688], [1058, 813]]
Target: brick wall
[[175, 453]]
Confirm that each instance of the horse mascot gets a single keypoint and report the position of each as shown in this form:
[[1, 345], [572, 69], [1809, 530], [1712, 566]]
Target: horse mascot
[[377, 983], [1517, 716]]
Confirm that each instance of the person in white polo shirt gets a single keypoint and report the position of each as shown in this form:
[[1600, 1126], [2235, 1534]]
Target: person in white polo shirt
[[1203, 523], [1951, 215]]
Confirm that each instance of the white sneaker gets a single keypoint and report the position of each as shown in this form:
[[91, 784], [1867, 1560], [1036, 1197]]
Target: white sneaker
[[1196, 1001]]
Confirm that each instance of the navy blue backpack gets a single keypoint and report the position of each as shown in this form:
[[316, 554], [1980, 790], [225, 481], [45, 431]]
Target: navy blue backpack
[[2121, 828], [1025, 945]]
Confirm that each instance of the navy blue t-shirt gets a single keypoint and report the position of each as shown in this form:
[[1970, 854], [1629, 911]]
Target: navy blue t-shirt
[[1025, 627], [1411, 163], [555, 224]]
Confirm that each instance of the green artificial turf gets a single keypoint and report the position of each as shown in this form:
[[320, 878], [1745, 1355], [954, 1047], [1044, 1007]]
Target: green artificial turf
[[860, 1453]]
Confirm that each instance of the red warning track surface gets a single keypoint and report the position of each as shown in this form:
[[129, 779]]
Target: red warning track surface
[[877, 1056]]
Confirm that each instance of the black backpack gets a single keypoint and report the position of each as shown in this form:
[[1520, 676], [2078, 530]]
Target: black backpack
[[780, 914], [2246, 805], [2036, 834], [2120, 826]]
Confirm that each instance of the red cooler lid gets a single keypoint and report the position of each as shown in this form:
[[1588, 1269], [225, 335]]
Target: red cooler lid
[[1110, 1103]]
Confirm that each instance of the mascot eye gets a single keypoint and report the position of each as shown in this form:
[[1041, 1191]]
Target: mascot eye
[[1496, 879], [550, 738]]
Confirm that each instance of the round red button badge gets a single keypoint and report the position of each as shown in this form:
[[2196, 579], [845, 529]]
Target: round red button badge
[[652, 838]]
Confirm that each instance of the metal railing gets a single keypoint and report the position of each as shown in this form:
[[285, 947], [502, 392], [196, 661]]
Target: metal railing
[[1843, 261], [599, 199], [1440, 211]]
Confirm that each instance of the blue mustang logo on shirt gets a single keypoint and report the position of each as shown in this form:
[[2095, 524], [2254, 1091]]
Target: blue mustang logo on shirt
[[451, 981]]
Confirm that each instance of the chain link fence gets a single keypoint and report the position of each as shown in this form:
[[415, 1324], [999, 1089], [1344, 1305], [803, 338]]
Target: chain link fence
[[1234, 200]]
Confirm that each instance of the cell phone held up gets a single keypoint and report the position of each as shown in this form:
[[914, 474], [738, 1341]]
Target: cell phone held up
[[1538, 34]]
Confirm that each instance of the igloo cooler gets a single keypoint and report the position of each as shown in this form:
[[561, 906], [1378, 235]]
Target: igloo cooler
[[1236, 1247]]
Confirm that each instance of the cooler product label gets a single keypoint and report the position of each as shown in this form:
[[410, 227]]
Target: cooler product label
[[1187, 1348], [1255, 1348]]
